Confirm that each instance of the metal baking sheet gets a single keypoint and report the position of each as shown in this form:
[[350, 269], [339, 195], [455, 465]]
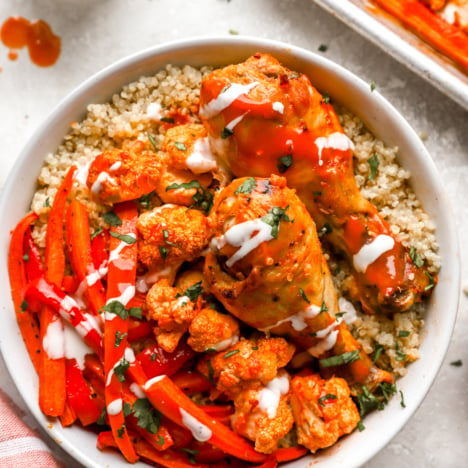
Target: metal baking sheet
[[388, 33]]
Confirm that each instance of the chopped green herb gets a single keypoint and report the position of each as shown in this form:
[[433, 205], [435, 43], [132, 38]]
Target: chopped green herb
[[328, 396], [24, 305], [254, 348], [144, 200], [340, 359], [153, 357], [403, 333], [273, 218], [127, 409], [368, 402], [284, 163], [152, 141], [457, 363], [322, 48], [339, 314], [323, 307], [317, 194], [360, 426], [402, 400], [374, 165], [377, 352], [167, 120], [128, 239], [387, 390], [246, 187], [210, 370], [135, 312], [102, 418], [47, 203], [431, 281], [120, 369], [194, 291], [416, 258], [180, 146], [326, 98], [148, 417], [226, 133], [119, 336], [166, 237], [112, 219], [160, 440], [26, 255], [233, 32], [96, 233], [163, 251], [303, 295], [202, 198], [191, 454], [230, 353], [116, 307], [400, 355], [325, 230], [372, 85]]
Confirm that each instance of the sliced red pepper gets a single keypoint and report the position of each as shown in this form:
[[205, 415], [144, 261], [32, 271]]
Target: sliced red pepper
[[155, 361], [182, 437], [27, 320], [120, 288], [271, 463], [68, 417], [52, 376], [32, 258], [206, 453], [221, 413], [79, 250], [138, 329], [79, 395], [290, 453], [191, 382], [100, 249], [69, 284]]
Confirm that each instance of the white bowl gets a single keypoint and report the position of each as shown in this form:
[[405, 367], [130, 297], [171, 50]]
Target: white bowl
[[386, 123]]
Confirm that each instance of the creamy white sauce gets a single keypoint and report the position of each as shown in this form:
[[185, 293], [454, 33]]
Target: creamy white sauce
[[298, 322], [126, 296], [97, 187], [53, 341], [129, 355], [350, 314], [115, 253], [181, 301], [225, 99], [137, 390], [278, 107], [324, 332], [456, 12], [199, 431], [240, 235], [82, 171], [222, 345], [144, 282], [116, 166], [66, 305], [115, 407], [153, 111], [324, 345], [269, 397], [75, 347], [230, 126], [149, 383], [369, 253], [337, 140], [201, 159]]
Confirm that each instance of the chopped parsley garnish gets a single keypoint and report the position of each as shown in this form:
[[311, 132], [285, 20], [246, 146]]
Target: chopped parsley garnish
[[144, 200], [120, 369], [166, 237], [102, 418], [387, 390], [325, 398], [127, 409], [163, 251], [273, 218], [180, 146], [400, 355], [340, 359], [194, 291], [317, 194], [123, 237], [254, 348], [431, 281], [160, 440], [152, 141], [135, 312], [112, 219], [374, 165], [284, 163], [303, 295], [246, 187], [226, 133], [96, 233], [403, 333], [457, 363], [372, 85], [119, 336], [322, 48], [323, 308], [47, 203], [191, 454], [339, 314], [26, 255], [326, 98], [416, 258], [167, 120], [377, 352], [402, 401], [117, 308], [210, 370], [325, 230], [153, 356], [360, 426], [148, 417], [24, 305], [202, 198], [231, 353], [368, 402]]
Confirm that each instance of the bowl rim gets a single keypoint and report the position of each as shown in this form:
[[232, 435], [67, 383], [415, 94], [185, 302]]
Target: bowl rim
[[120, 68]]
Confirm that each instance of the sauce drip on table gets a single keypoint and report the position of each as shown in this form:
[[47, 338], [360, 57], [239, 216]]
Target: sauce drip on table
[[43, 45]]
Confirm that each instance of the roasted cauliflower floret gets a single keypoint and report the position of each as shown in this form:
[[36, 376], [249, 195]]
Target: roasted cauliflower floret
[[172, 312], [323, 410], [171, 234], [120, 175], [262, 413], [211, 330]]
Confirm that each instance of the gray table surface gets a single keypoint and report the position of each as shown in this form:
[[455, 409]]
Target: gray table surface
[[97, 32]]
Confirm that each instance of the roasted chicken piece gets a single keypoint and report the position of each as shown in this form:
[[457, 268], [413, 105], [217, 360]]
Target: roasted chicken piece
[[323, 410], [121, 175], [262, 119], [267, 268]]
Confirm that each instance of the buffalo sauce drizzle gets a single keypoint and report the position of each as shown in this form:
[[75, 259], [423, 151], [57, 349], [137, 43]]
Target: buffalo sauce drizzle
[[43, 45]]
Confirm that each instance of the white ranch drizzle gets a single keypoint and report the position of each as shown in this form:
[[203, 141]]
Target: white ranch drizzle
[[97, 187], [75, 347], [114, 407], [335, 140], [297, 320], [199, 431], [324, 344], [144, 282], [230, 126], [115, 166], [137, 390], [115, 253], [82, 171], [149, 383], [53, 341], [225, 98], [222, 345], [278, 107], [350, 314], [369, 253], [201, 158], [269, 397], [153, 111]]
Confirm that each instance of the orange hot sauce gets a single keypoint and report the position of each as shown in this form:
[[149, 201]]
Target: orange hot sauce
[[43, 45]]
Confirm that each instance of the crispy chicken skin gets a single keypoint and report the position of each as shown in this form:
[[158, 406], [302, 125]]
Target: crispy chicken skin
[[280, 124], [279, 284], [121, 175], [171, 234], [321, 421]]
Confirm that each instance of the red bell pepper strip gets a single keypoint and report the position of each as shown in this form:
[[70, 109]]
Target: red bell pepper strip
[[206, 453], [52, 376], [100, 249], [290, 453], [79, 250], [138, 329], [221, 413], [68, 417], [166, 397], [52, 296], [120, 289], [191, 382], [168, 458], [443, 36], [27, 320], [271, 463], [181, 436], [155, 361], [79, 395], [32, 264]]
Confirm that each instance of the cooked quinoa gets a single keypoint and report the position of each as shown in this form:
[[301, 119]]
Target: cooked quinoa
[[135, 113]]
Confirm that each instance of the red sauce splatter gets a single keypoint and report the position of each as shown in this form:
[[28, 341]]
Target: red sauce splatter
[[43, 45]]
